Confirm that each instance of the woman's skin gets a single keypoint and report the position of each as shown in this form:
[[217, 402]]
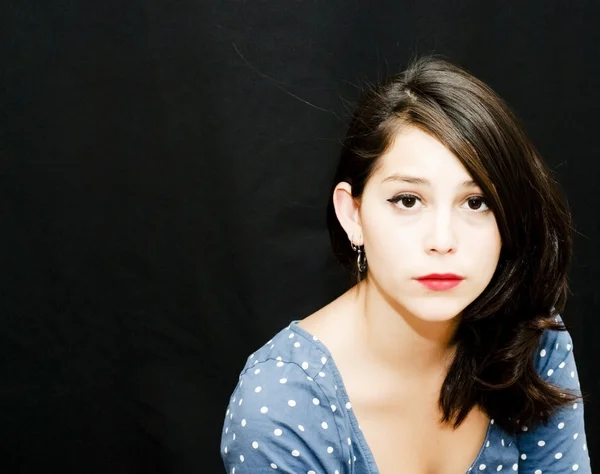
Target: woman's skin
[[390, 335]]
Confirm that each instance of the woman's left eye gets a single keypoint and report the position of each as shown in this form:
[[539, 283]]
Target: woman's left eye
[[476, 202]]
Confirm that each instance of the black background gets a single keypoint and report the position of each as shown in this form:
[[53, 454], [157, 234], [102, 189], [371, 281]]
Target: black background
[[165, 167]]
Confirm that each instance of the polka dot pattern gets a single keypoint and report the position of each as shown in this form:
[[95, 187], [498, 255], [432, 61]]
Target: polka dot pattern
[[290, 412]]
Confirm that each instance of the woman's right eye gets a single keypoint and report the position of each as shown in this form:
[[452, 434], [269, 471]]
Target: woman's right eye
[[408, 201]]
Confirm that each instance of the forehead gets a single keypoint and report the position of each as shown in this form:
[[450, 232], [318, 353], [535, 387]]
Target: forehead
[[416, 153]]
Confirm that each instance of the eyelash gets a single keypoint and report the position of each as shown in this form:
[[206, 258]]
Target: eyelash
[[399, 197]]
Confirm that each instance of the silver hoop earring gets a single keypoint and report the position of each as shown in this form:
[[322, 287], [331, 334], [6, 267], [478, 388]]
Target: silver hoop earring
[[361, 260]]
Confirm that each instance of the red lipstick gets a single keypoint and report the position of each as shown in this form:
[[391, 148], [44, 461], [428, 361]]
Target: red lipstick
[[440, 281]]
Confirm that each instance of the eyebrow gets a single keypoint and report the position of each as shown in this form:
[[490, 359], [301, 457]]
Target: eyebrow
[[414, 180]]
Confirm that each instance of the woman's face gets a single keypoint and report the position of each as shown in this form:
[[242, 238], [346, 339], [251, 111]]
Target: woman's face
[[421, 214]]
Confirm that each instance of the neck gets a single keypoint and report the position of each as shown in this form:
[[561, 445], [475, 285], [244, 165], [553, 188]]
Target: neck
[[399, 340]]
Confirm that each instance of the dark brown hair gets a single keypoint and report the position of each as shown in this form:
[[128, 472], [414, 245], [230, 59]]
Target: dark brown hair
[[500, 331]]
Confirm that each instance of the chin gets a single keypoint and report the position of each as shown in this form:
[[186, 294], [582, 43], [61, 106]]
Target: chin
[[436, 310]]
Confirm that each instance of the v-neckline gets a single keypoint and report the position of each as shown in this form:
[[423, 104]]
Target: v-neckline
[[354, 425]]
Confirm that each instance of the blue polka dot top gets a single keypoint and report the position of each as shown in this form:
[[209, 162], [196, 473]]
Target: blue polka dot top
[[290, 413]]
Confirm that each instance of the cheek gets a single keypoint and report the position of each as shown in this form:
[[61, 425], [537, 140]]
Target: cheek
[[484, 247], [487, 239]]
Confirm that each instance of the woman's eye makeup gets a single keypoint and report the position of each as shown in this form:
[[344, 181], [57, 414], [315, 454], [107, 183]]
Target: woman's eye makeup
[[406, 201]]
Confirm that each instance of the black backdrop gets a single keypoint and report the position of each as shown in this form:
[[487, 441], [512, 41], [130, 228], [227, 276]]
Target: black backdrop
[[164, 173]]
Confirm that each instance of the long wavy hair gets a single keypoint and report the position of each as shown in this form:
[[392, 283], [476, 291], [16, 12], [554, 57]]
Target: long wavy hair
[[500, 331]]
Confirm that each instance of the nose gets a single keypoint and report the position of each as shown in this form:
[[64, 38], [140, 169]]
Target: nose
[[441, 235]]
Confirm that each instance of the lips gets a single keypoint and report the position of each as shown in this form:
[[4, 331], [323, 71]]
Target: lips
[[441, 276], [440, 281]]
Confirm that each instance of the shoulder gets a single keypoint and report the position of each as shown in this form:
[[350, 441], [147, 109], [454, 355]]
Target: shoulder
[[555, 354], [282, 413]]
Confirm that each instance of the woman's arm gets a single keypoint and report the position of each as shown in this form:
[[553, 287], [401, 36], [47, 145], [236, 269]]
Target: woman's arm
[[560, 446]]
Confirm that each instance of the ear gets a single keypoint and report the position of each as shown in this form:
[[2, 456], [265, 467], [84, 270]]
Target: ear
[[347, 210]]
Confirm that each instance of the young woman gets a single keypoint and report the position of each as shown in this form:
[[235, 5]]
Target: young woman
[[449, 354]]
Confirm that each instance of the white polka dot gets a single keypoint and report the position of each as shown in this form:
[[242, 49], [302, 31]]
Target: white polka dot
[[561, 425], [255, 362], [329, 449], [278, 358], [321, 374], [277, 432], [543, 353], [499, 468], [349, 441], [561, 365], [316, 401], [482, 467], [336, 472], [233, 471], [301, 428], [234, 436], [333, 408], [515, 466], [279, 364], [227, 412], [576, 435], [295, 453], [575, 467], [257, 371], [492, 421], [296, 344], [568, 347], [584, 447], [273, 465], [574, 406], [272, 346], [315, 338], [348, 405], [264, 410], [324, 425], [292, 403], [309, 378], [255, 445], [487, 444], [558, 455], [225, 450], [550, 372], [258, 389], [502, 442], [241, 458], [241, 400], [291, 335], [538, 471], [523, 456], [311, 472], [524, 428], [226, 430], [243, 422], [283, 380], [305, 365], [572, 374], [323, 360], [541, 443]]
